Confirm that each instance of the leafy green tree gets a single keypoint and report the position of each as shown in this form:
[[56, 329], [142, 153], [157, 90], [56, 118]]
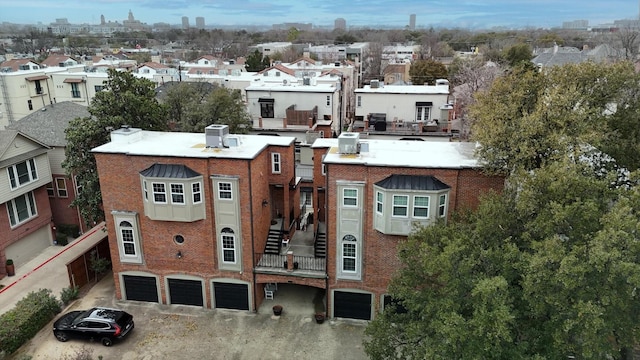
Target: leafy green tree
[[546, 270], [517, 54], [257, 62], [195, 107], [427, 72], [529, 118], [126, 100]]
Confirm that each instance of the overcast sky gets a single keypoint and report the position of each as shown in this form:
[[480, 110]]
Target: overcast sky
[[471, 14]]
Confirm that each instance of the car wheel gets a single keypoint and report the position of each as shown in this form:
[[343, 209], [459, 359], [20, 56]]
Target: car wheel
[[107, 342], [61, 336]]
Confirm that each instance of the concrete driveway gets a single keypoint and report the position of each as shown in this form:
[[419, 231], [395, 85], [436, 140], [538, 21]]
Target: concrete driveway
[[186, 332]]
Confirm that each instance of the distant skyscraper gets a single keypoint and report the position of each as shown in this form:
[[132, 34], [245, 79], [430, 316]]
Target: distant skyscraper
[[200, 22], [412, 21], [185, 22], [340, 23], [102, 21]]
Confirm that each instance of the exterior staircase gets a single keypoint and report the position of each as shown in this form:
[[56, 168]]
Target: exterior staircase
[[273, 242], [320, 245]]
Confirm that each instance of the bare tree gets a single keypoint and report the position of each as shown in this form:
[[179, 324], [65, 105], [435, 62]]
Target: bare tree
[[628, 39]]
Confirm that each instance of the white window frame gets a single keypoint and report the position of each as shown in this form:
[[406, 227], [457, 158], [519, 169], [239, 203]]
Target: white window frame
[[128, 236], [442, 205], [350, 242], [177, 192], [61, 191], [276, 163], [228, 244], [51, 191], [32, 173], [400, 206], [222, 191], [77, 185], [145, 190], [196, 192], [359, 101], [421, 206], [12, 209], [379, 202], [324, 166], [156, 192], [345, 197], [328, 100], [423, 113]]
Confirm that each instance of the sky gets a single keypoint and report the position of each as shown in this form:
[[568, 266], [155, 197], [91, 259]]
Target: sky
[[467, 14]]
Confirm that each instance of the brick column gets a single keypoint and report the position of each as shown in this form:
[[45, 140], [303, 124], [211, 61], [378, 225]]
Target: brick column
[[289, 260]]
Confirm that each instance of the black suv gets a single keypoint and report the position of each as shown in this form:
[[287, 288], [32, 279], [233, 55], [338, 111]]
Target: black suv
[[99, 323]]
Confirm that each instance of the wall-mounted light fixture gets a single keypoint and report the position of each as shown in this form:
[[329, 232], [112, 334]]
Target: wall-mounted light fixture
[[265, 202], [179, 255]]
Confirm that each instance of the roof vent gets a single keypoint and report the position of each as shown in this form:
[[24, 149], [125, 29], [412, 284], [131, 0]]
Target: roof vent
[[375, 84], [348, 143], [215, 134]]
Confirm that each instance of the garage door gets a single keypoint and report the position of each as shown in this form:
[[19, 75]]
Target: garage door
[[140, 288], [185, 292], [352, 305], [231, 296]]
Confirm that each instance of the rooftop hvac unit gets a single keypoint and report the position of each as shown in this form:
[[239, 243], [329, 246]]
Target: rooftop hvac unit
[[348, 143], [306, 81], [375, 84], [231, 141], [214, 135]]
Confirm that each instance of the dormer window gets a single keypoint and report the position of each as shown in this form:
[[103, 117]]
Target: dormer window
[[172, 193], [22, 173]]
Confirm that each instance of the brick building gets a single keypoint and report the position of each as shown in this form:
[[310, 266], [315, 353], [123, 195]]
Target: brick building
[[204, 219]]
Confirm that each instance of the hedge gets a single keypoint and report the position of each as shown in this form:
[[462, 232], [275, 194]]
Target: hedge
[[29, 316]]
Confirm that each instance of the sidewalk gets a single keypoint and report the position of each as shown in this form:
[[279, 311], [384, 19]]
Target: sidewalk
[[48, 270]]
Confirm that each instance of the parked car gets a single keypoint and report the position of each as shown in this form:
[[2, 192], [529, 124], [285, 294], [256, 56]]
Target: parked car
[[103, 324]]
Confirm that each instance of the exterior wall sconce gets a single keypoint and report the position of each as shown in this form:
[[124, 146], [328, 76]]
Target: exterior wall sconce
[[265, 202], [179, 255]]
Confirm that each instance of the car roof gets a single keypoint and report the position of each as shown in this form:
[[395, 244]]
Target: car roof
[[104, 313]]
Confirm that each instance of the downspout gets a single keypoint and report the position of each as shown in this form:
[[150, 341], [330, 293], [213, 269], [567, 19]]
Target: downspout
[[253, 254], [46, 81], [326, 217]]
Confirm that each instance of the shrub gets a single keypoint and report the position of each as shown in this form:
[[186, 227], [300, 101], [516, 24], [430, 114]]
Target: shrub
[[72, 230], [61, 238], [30, 314], [69, 294]]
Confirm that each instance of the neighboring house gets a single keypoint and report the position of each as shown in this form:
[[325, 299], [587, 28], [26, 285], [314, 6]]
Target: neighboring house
[[560, 55], [189, 214], [78, 87], [25, 213], [409, 106], [18, 64], [48, 127], [397, 74], [157, 73], [192, 217], [59, 61], [272, 48], [371, 194]]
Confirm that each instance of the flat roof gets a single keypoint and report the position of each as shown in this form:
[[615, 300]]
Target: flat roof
[[191, 145], [318, 87], [405, 89], [402, 153]]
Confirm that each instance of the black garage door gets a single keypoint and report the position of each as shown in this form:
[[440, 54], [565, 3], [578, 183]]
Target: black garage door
[[352, 305], [231, 296], [185, 292], [141, 288]]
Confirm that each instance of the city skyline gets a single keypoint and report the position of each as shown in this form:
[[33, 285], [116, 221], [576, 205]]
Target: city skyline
[[359, 13]]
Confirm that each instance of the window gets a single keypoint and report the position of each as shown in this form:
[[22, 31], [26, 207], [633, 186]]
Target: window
[[21, 209], [400, 205], [328, 100], [30, 104], [442, 205], [267, 110], [128, 239], [224, 191], [61, 186], [39, 90], [50, 190], [177, 194], [228, 246], [98, 88], [422, 113], [145, 190], [78, 185], [421, 207], [324, 167], [196, 192], [159, 193], [359, 101], [277, 73], [349, 253], [379, 202], [275, 163], [75, 91], [22, 173], [350, 197]]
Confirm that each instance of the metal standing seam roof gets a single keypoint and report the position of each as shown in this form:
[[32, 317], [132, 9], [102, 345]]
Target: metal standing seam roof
[[412, 182], [169, 171]]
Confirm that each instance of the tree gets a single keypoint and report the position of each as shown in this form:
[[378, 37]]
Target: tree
[[193, 108], [546, 270], [126, 100], [529, 118], [427, 72], [517, 54], [256, 62], [629, 39]]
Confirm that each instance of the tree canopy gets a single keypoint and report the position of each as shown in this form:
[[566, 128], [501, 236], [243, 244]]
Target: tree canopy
[[125, 100], [427, 72]]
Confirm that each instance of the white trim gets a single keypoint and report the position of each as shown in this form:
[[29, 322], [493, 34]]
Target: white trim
[[276, 163], [12, 209], [61, 188], [349, 197], [172, 193], [399, 206], [163, 192], [225, 191], [427, 207]]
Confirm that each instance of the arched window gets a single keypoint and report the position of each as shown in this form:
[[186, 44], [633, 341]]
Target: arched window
[[128, 238], [228, 239], [349, 253]]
